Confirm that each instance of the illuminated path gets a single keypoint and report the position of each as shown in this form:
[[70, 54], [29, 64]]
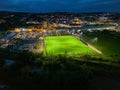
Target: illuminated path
[[90, 46], [98, 51]]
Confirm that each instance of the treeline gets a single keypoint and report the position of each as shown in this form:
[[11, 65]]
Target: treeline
[[34, 72], [45, 73]]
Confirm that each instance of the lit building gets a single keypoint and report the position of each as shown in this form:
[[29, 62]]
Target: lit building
[[76, 22], [45, 24]]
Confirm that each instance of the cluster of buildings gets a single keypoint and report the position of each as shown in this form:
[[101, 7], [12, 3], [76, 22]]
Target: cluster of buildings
[[2, 21], [22, 39], [32, 38]]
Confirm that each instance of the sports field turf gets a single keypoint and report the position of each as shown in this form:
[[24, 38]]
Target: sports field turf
[[68, 45]]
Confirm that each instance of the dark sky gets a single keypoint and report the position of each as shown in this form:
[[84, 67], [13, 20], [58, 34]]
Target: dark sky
[[60, 5]]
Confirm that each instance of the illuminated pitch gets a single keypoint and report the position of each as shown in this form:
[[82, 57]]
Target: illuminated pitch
[[66, 45]]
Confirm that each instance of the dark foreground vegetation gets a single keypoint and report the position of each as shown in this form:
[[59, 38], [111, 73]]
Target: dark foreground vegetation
[[36, 72]]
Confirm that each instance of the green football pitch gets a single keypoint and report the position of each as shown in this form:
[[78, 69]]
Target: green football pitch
[[66, 45]]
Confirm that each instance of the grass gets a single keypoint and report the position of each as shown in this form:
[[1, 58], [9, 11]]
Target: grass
[[109, 45], [66, 45]]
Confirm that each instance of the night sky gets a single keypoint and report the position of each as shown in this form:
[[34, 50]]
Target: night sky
[[60, 5]]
